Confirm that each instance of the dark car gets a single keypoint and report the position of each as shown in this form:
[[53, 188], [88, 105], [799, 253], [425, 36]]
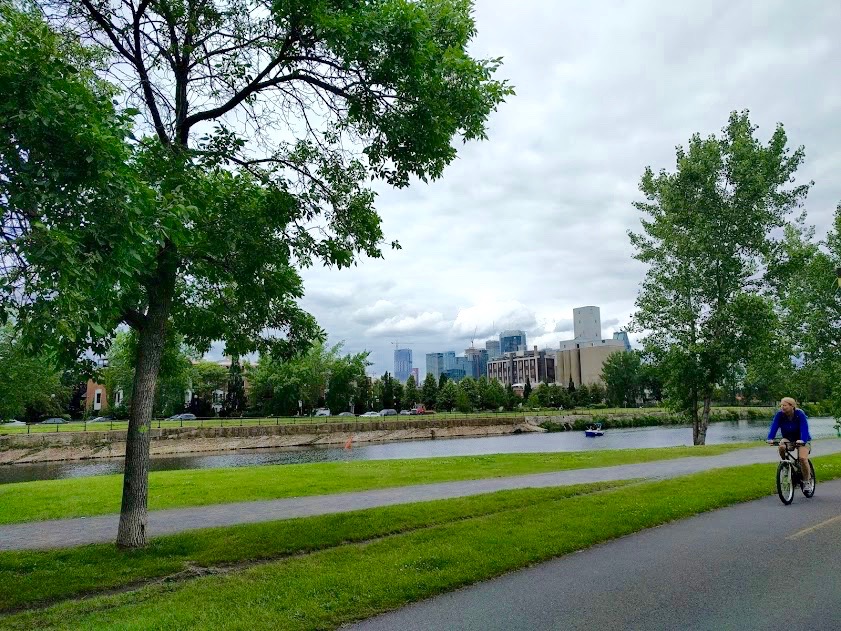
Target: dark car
[[53, 421], [388, 412]]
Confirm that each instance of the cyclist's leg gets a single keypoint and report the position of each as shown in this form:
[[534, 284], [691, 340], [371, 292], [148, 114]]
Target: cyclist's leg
[[784, 444], [803, 456]]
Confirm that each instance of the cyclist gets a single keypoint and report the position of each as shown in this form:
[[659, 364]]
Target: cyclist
[[792, 423]]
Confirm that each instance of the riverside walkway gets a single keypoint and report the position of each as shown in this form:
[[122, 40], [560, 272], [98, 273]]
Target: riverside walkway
[[102, 529]]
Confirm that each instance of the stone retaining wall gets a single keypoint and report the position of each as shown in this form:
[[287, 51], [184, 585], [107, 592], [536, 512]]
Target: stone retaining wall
[[45, 447]]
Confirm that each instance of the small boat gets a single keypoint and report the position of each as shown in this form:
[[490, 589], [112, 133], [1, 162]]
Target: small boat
[[594, 430]]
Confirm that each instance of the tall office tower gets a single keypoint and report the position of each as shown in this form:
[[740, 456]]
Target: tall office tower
[[510, 341], [492, 346], [435, 364], [402, 364], [449, 360], [587, 323], [416, 374], [478, 358]]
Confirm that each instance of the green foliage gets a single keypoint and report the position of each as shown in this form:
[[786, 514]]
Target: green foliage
[[411, 394], [470, 387], [804, 275], [621, 373], [30, 385], [492, 394], [321, 375], [235, 401], [447, 396], [442, 379], [462, 403], [387, 397], [706, 239], [429, 392]]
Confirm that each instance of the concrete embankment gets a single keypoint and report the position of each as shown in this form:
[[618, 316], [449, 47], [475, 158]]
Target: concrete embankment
[[46, 447]]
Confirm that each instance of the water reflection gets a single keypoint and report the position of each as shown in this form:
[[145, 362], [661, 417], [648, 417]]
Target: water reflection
[[718, 433]]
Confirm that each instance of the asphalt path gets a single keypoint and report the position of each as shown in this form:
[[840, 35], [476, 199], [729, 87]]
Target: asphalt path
[[102, 529], [758, 565]]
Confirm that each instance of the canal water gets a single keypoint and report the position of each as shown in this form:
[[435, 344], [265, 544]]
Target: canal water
[[718, 433]]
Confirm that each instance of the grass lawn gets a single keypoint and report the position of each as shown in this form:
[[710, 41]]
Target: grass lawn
[[354, 580], [32, 577], [99, 495]]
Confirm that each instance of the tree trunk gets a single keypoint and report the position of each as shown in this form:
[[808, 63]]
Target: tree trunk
[[150, 346], [701, 435], [696, 420]]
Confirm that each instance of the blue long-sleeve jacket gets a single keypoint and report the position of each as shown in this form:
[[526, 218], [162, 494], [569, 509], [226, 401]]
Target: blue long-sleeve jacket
[[795, 428]]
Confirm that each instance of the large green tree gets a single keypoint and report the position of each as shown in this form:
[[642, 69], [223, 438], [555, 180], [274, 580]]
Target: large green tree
[[706, 238], [807, 289], [259, 128], [30, 385], [429, 391], [411, 394], [621, 373]]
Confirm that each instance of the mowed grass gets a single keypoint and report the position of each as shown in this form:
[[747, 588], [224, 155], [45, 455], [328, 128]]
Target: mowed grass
[[325, 589], [32, 577], [100, 495]]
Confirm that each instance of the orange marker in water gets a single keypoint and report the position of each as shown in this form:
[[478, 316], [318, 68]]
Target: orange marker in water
[[349, 442]]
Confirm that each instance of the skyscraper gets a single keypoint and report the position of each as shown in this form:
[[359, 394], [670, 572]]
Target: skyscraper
[[435, 364], [511, 341], [587, 323], [402, 364], [478, 358], [492, 347]]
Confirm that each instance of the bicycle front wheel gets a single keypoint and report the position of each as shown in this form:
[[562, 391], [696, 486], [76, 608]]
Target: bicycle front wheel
[[785, 487], [811, 491]]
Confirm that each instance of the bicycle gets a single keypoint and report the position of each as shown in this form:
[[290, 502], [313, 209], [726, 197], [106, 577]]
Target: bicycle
[[789, 475]]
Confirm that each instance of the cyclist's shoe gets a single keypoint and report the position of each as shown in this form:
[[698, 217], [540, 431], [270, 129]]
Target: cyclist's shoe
[[807, 486]]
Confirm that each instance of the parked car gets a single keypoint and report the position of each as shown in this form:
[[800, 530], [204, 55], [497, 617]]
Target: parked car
[[53, 421], [322, 412], [388, 412], [13, 423], [182, 417], [101, 419], [406, 412], [346, 414], [371, 413]]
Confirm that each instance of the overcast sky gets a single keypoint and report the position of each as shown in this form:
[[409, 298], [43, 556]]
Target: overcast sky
[[532, 222]]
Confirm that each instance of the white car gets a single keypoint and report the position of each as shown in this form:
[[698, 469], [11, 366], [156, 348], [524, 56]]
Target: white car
[[372, 413], [322, 412]]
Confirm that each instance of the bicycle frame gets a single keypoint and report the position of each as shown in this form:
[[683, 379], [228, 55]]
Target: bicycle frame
[[790, 474]]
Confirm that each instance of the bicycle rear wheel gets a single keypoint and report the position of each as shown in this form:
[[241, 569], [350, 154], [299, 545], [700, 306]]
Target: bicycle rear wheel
[[785, 487], [814, 481]]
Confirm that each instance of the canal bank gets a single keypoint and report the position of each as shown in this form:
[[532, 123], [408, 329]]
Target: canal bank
[[52, 447]]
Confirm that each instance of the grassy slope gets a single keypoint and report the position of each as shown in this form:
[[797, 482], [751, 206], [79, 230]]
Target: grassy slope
[[357, 580], [31, 577], [99, 495]]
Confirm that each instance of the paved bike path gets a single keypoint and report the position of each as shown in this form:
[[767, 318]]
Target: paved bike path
[[758, 565], [64, 533]]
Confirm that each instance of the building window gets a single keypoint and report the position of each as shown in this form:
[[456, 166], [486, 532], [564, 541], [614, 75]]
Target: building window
[[97, 400]]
